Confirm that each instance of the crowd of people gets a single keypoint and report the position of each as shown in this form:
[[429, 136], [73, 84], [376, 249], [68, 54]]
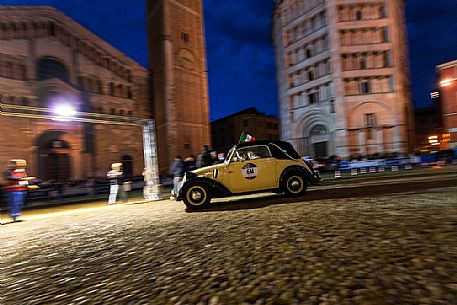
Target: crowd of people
[[179, 166]]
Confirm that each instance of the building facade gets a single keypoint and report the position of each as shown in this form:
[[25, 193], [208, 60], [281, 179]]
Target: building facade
[[49, 61], [447, 80], [342, 75], [227, 130], [177, 59]]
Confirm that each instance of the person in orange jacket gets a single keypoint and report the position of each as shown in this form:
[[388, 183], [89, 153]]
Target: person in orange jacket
[[16, 186]]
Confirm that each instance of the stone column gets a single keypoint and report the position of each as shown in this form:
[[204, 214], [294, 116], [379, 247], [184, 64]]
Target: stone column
[[31, 59], [380, 140], [362, 147], [397, 147]]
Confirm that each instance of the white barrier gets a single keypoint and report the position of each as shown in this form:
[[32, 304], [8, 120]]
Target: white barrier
[[354, 172]]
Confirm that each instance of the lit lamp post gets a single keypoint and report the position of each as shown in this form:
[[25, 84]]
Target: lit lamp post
[[445, 84], [433, 140], [64, 111]]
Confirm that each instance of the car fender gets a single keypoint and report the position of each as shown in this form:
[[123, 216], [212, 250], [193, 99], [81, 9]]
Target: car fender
[[310, 179], [217, 188]]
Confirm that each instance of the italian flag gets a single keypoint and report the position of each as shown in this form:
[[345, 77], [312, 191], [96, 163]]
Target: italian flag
[[245, 137]]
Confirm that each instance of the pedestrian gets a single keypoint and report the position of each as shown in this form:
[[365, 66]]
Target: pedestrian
[[204, 159], [90, 187], [189, 163], [177, 172], [16, 187], [115, 177]]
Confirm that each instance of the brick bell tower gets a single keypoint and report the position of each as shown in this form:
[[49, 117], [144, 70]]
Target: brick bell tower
[[179, 81]]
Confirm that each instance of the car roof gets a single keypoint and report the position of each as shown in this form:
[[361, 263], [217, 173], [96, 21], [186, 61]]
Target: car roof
[[279, 149]]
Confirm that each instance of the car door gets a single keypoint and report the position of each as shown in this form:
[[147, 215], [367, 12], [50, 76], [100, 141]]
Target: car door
[[251, 169]]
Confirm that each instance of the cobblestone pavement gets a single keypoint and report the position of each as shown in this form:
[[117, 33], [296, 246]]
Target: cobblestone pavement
[[380, 248]]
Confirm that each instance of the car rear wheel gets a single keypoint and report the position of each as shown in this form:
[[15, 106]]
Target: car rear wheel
[[196, 196], [294, 184]]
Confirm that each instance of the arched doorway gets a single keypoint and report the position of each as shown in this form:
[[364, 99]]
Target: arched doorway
[[127, 165], [54, 160], [319, 138]]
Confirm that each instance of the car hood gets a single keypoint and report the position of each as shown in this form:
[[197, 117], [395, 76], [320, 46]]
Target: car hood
[[207, 170]]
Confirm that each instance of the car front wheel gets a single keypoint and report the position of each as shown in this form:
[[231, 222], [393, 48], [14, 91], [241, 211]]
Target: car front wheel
[[294, 184], [196, 196]]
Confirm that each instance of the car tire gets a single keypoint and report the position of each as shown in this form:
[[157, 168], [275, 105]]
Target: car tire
[[196, 196], [294, 184]]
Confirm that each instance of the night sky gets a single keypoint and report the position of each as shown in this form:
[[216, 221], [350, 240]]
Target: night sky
[[241, 63]]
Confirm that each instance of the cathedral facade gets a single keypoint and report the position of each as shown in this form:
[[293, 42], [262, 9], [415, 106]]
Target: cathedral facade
[[177, 59], [342, 71], [49, 61]]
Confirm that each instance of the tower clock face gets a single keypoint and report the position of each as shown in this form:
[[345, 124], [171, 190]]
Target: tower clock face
[[186, 59]]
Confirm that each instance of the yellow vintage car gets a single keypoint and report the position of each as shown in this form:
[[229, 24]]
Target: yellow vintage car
[[249, 167]]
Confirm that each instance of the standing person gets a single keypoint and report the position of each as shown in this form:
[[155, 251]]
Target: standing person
[[115, 177], [16, 186], [204, 159], [177, 172], [189, 163]]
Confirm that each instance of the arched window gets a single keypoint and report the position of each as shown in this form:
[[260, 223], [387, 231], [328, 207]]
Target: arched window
[[358, 15], [51, 29], [308, 53], [311, 75], [362, 62], [318, 130], [51, 68], [99, 87]]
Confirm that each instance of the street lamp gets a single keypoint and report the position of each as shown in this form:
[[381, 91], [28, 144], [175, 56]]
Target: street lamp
[[65, 111]]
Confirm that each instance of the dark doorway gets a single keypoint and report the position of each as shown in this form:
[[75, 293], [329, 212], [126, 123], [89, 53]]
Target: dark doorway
[[54, 156], [320, 150], [57, 166], [127, 165]]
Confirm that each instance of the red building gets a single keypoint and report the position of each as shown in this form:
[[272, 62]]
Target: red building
[[447, 79]]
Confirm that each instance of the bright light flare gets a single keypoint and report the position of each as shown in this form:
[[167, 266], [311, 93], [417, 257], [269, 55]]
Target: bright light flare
[[446, 82], [64, 112]]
